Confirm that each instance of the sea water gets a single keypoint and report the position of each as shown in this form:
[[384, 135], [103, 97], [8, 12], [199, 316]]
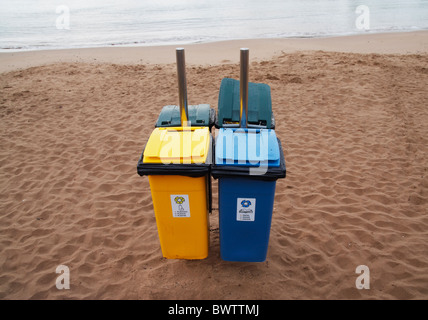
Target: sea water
[[56, 24]]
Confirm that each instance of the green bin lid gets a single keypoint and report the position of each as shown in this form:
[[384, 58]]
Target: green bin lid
[[259, 105], [200, 115]]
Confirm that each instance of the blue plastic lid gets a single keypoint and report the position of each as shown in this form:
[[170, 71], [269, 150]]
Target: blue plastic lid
[[247, 147]]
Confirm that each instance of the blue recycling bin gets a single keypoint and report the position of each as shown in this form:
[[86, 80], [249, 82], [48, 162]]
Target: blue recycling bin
[[247, 164]]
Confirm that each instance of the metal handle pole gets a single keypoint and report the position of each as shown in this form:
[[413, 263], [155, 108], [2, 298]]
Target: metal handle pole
[[243, 89], [182, 86]]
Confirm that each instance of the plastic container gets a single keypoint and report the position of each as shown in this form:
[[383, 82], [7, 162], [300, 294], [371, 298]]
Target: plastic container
[[247, 164], [259, 105], [177, 162]]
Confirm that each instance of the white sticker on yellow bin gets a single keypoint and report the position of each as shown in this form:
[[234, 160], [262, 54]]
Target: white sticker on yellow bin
[[246, 209], [180, 205]]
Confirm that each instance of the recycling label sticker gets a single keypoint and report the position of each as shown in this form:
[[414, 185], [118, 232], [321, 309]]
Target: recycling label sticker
[[180, 206], [246, 209]]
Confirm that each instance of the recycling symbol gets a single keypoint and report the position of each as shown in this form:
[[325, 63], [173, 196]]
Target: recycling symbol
[[179, 200], [245, 203]]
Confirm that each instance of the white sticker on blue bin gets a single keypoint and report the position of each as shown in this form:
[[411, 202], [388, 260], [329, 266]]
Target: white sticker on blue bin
[[180, 205], [246, 209]]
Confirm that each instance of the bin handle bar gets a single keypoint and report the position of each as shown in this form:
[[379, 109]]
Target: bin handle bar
[[182, 86], [243, 88]]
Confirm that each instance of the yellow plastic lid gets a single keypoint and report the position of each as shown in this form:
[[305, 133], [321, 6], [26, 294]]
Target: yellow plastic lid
[[178, 145]]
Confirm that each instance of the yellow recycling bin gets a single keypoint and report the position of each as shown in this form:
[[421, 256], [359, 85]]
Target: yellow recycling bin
[[177, 161]]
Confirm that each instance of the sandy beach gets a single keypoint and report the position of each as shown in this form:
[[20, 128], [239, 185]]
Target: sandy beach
[[352, 116]]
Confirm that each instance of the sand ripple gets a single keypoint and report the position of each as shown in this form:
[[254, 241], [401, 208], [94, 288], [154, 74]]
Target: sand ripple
[[354, 130]]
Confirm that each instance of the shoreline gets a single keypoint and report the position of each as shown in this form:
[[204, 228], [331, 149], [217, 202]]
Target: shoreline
[[201, 42], [221, 52]]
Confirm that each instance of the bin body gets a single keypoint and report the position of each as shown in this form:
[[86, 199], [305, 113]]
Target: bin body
[[177, 162], [183, 234], [247, 164], [245, 236]]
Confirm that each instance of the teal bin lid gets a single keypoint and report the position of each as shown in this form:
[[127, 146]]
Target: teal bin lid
[[200, 115], [247, 147], [259, 105]]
